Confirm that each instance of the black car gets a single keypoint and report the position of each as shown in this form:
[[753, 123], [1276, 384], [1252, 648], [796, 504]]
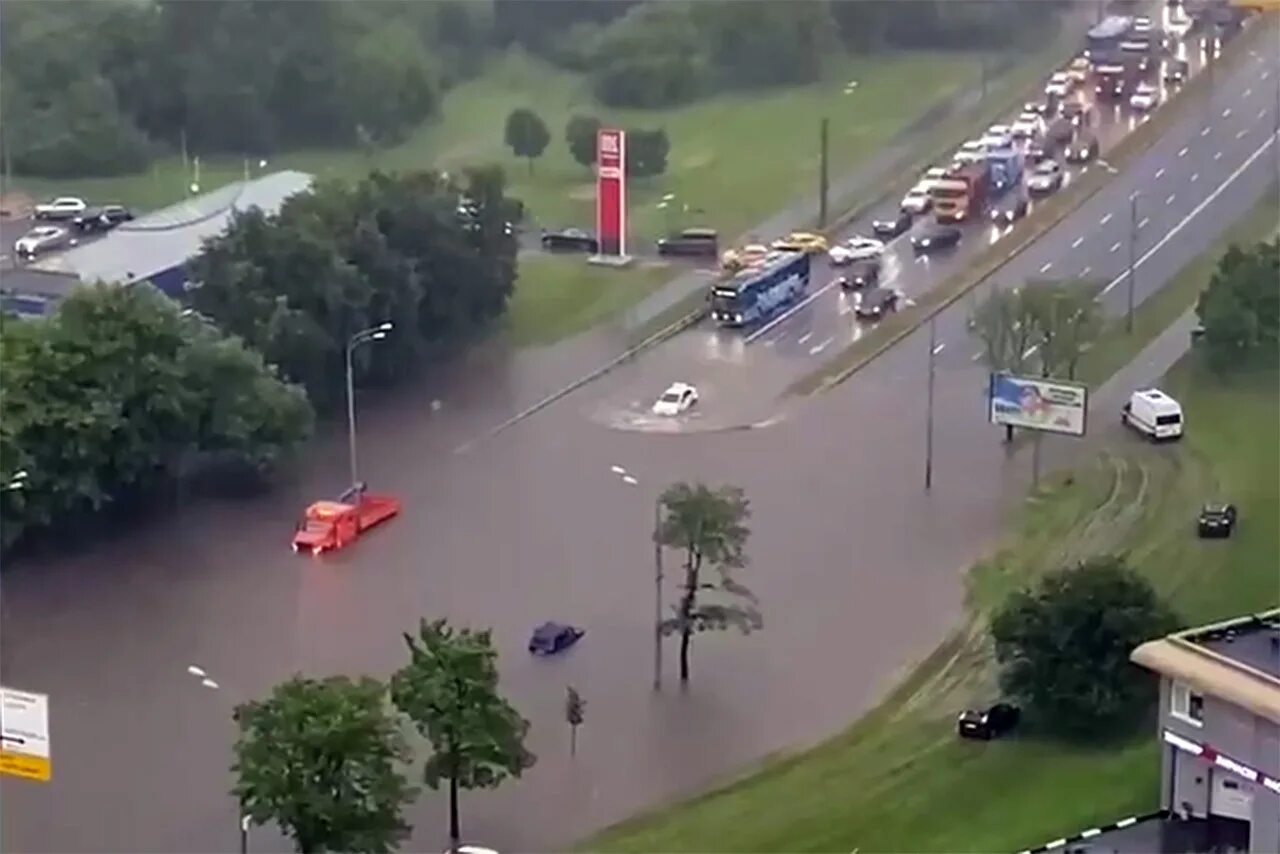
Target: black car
[[1040, 108], [996, 721], [571, 240], [875, 303], [692, 243], [1216, 520], [1035, 153], [936, 237], [1077, 112], [861, 274], [551, 638], [102, 218], [1082, 149], [1176, 71], [900, 222], [1010, 211]]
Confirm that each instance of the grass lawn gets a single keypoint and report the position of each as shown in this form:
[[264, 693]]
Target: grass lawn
[[899, 780]]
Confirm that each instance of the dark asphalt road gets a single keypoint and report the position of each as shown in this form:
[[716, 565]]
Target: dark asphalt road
[[533, 525]]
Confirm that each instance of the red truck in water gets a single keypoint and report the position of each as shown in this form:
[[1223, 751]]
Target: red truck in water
[[331, 525], [962, 193]]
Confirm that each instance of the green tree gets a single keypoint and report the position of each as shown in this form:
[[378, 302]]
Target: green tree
[[526, 134], [580, 134], [322, 759], [1240, 309], [575, 714], [1063, 648], [449, 689], [709, 526]]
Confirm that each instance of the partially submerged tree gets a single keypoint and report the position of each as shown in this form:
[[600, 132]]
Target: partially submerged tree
[[449, 689], [575, 713], [321, 759], [1063, 647], [709, 526]]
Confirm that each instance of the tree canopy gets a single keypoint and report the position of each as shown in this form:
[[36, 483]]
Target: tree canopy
[[526, 134], [1063, 647], [322, 759], [1042, 328], [119, 391], [449, 689], [709, 526], [1240, 309], [434, 258]]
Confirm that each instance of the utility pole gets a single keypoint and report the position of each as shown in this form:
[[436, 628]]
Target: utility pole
[[657, 599], [824, 130], [373, 333], [928, 435], [245, 822], [1133, 258]]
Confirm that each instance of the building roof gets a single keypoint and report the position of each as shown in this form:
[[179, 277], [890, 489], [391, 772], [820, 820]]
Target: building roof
[[168, 238], [1237, 660]]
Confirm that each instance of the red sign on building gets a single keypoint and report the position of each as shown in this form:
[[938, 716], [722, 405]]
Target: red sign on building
[[611, 191]]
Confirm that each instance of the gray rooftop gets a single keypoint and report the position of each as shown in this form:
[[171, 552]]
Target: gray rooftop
[[1254, 643], [168, 238]]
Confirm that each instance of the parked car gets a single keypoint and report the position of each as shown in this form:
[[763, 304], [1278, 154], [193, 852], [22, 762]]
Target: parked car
[[571, 240], [892, 227], [935, 237], [42, 238], [1010, 210], [551, 638], [1216, 520], [1045, 178], [1082, 149], [61, 208], [692, 242], [875, 303], [994, 722], [102, 218]]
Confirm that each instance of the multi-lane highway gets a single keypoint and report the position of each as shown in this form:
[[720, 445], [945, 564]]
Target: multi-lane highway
[[858, 570]]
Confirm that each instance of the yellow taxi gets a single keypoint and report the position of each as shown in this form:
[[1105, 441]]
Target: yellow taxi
[[802, 241]]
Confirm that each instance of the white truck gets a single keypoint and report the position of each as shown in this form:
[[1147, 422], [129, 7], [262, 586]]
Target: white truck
[[1154, 414]]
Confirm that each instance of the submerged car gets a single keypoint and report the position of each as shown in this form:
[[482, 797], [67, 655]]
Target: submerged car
[[875, 303], [42, 238], [892, 226], [1010, 211], [935, 237], [551, 638], [678, 398], [994, 722], [1045, 178], [1216, 520]]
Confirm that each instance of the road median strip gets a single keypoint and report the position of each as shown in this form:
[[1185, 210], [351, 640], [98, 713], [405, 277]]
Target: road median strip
[[1040, 221]]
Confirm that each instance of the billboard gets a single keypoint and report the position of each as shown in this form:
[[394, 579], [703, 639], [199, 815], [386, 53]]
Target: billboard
[[611, 191], [1038, 404]]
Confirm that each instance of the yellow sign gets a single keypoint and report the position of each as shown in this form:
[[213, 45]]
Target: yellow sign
[[27, 767]]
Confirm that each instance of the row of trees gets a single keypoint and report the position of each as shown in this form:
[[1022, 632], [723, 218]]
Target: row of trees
[[119, 393], [434, 257], [1240, 310], [325, 759], [527, 136], [95, 87]]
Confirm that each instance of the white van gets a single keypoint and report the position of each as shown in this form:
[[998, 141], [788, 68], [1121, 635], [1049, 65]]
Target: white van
[[1153, 413]]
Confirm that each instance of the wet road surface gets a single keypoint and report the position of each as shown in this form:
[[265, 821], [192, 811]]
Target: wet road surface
[[534, 525]]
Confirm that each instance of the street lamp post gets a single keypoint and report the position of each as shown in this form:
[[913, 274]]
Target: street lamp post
[[934, 349], [630, 480], [824, 160], [207, 681], [1133, 259], [373, 333]]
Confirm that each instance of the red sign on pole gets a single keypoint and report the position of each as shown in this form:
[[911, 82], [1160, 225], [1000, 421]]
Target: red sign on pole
[[611, 191]]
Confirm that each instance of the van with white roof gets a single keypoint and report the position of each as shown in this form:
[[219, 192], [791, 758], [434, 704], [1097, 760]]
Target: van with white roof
[[1154, 414]]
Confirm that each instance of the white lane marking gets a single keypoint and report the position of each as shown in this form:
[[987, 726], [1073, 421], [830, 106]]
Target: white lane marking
[[1226, 113], [1076, 243], [805, 337], [1169, 200], [617, 470], [1090, 833], [1030, 350], [939, 348], [1144, 221], [1159, 171], [977, 357], [1115, 247], [1182, 152], [818, 348], [1106, 219], [629, 480], [1086, 271], [1195, 176], [1044, 268], [772, 323], [1240, 133], [1265, 74], [1218, 156], [1182, 223], [1248, 91], [1204, 131]]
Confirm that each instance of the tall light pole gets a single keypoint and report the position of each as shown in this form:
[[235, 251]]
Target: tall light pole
[[824, 160], [934, 349], [1133, 258], [206, 681], [373, 333], [630, 480]]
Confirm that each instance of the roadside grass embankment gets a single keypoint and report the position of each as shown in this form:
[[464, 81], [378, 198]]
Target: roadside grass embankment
[[899, 779], [1041, 220]]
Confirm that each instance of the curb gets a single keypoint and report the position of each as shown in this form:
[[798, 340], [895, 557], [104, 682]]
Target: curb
[[1069, 204], [1132, 820]]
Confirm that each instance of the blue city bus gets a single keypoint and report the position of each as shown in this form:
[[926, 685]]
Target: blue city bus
[[1106, 37], [760, 291]]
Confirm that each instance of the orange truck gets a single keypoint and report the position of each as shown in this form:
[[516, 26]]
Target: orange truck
[[331, 525], [961, 194]]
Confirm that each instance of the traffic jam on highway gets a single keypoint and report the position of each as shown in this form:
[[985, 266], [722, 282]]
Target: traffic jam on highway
[[802, 295]]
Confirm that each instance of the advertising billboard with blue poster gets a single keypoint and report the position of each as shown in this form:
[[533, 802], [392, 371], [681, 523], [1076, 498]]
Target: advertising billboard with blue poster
[[1038, 404]]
